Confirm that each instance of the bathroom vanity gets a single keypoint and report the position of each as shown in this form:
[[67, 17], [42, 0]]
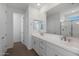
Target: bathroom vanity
[[52, 45], [61, 37]]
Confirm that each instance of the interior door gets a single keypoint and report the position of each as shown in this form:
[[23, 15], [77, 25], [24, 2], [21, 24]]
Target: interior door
[[17, 21]]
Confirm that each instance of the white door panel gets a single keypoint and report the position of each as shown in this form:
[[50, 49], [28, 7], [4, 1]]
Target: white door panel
[[17, 28]]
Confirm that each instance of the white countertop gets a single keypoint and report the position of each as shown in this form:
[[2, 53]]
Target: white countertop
[[72, 46]]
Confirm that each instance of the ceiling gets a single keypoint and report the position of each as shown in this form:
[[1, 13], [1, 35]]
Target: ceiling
[[63, 7], [50, 8], [44, 6], [23, 6]]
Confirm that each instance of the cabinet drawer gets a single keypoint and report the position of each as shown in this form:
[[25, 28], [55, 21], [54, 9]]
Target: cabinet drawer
[[42, 44]]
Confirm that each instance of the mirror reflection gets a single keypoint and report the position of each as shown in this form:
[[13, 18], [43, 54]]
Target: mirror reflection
[[37, 25], [64, 21]]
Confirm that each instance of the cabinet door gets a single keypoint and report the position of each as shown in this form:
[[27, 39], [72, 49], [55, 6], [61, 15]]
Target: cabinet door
[[36, 44], [52, 50], [42, 47]]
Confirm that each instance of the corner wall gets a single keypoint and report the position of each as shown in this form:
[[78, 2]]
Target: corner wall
[[31, 15]]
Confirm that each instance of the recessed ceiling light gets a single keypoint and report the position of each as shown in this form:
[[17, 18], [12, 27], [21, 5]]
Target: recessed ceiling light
[[38, 4]]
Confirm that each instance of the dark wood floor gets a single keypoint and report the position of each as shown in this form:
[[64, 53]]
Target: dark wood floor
[[20, 50]]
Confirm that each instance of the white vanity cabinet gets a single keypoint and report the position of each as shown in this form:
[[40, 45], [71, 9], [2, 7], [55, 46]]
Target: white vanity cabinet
[[45, 48], [39, 46]]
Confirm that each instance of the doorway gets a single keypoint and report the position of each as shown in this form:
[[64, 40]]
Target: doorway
[[18, 27]]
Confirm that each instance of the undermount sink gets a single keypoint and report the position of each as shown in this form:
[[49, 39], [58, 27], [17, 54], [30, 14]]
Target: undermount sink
[[42, 34], [73, 43]]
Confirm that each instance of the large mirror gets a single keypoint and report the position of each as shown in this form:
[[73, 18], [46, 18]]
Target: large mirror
[[70, 24], [64, 20]]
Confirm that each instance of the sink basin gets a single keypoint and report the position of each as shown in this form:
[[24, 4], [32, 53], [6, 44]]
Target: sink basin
[[42, 34], [73, 44]]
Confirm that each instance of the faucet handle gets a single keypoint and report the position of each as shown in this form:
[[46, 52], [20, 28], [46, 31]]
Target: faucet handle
[[69, 40], [63, 38]]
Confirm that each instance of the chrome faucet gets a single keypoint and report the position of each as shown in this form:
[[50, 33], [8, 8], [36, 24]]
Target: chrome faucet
[[64, 38]]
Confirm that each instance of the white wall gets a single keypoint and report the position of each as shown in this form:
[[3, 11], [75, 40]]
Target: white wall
[[3, 33], [10, 12], [6, 27], [53, 23], [9, 28], [32, 14], [26, 28]]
